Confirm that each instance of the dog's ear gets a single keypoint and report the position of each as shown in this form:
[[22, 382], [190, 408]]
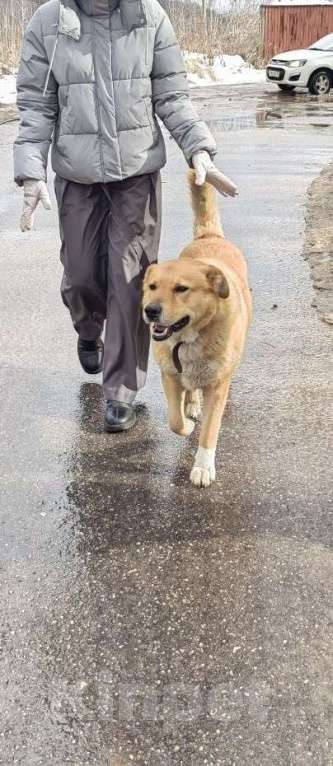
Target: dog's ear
[[218, 282], [148, 274]]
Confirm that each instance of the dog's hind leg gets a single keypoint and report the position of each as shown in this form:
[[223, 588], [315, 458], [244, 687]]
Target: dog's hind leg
[[193, 404], [175, 395], [203, 471]]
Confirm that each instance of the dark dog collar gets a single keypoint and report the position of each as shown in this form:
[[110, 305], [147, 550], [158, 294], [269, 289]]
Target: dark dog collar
[[175, 356]]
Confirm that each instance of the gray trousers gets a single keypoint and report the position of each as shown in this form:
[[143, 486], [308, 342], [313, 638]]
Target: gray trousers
[[110, 234]]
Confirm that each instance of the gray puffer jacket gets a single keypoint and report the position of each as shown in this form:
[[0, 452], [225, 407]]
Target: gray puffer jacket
[[94, 75]]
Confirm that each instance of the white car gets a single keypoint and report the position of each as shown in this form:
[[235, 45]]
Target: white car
[[310, 68]]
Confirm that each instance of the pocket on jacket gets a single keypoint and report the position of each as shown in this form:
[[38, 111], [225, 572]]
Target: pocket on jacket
[[77, 106], [150, 114]]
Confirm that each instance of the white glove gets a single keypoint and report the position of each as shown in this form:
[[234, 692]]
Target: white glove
[[34, 192], [205, 170]]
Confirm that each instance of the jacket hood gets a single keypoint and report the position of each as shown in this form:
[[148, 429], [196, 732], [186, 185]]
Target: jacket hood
[[97, 7], [132, 14]]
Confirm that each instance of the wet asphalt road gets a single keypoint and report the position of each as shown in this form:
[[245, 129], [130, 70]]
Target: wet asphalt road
[[142, 620]]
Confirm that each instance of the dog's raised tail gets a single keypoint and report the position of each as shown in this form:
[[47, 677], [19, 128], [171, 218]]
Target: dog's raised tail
[[206, 221]]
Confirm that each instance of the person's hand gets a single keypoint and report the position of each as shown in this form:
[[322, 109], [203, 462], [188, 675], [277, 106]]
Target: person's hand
[[205, 170], [34, 192]]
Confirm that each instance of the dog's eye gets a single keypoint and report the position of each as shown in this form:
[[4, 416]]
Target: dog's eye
[[152, 287], [181, 289]]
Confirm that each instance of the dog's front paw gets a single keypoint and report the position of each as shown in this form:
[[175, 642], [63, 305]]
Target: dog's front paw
[[193, 410], [202, 477], [203, 471]]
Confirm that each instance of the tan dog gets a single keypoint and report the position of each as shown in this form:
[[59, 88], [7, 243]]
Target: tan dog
[[199, 307]]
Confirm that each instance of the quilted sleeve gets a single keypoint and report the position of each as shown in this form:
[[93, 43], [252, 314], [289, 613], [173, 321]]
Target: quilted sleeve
[[170, 93], [38, 112]]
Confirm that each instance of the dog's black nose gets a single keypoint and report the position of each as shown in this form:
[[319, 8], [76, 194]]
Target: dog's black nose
[[153, 311]]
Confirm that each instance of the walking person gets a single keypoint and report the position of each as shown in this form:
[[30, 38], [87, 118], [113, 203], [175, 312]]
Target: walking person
[[94, 76]]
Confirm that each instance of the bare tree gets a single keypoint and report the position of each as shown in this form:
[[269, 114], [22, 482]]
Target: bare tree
[[212, 27], [14, 17], [205, 26]]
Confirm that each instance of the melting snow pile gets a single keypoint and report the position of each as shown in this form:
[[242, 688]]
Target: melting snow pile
[[8, 89], [227, 70]]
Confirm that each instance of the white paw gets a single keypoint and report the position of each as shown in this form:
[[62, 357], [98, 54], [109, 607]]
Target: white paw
[[193, 410], [202, 477], [203, 471], [188, 427]]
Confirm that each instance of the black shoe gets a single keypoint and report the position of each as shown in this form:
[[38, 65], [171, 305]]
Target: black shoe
[[91, 353], [119, 416]]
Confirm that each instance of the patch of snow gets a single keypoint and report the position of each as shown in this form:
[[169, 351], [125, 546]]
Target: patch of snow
[[227, 70], [8, 89]]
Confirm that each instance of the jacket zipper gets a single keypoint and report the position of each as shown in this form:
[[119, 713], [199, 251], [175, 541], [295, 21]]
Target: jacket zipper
[[98, 109], [112, 86]]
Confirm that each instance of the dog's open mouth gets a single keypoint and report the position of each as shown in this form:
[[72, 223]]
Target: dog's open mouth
[[162, 332]]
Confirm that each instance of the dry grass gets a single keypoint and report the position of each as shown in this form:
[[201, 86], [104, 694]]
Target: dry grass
[[235, 31]]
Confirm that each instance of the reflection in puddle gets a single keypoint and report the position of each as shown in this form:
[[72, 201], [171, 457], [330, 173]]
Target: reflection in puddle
[[263, 109], [244, 121]]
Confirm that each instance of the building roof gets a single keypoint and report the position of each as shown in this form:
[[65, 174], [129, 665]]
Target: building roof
[[296, 2]]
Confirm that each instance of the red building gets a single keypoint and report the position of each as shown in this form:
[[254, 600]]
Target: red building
[[291, 24]]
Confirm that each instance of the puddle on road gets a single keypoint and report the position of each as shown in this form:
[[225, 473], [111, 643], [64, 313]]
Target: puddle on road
[[264, 110]]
